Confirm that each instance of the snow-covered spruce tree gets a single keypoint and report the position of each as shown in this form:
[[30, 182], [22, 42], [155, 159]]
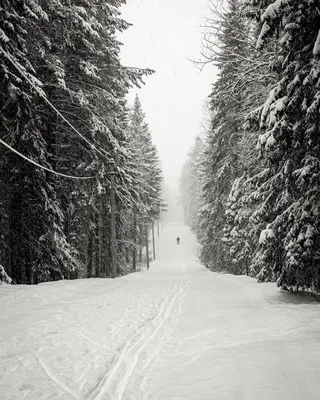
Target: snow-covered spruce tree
[[147, 178], [236, 233], [35, 245], [225, 45], [230, 43], [289, 120], [103, 86], [72, 49], [242, 230], [94, 85], [189, 184]]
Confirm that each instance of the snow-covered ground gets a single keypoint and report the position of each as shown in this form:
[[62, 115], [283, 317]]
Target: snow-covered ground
[[176, 331]]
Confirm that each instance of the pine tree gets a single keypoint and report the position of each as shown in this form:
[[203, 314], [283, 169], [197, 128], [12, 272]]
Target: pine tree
[[61, 77], [236, 229], [37, 246], [89, 88], [220, 159], [189, 184], [289, 120], [225, 227], [148, 178]]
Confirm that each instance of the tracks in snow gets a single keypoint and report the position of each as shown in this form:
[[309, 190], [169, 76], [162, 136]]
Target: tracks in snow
[[137, 353]]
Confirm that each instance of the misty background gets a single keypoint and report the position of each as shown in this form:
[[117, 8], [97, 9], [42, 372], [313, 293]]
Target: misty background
[[167, 39]]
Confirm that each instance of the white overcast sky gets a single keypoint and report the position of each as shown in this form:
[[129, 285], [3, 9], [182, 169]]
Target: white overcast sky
[[165, 33]]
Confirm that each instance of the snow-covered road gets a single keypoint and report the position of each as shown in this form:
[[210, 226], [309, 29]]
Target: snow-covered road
[[176, 331]]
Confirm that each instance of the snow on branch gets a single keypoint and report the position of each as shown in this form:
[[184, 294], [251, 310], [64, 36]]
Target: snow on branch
[[4, 277], [316, 47], [272, 12], [266, 235]]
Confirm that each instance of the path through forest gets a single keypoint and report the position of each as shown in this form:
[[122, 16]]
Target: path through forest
[[177, 331]]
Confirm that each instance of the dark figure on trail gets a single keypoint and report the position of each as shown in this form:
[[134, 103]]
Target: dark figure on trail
[[178, 240]]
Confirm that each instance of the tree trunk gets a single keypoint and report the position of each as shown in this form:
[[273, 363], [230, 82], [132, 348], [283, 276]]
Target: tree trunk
[[90, 254], [113, 223], [140, 244], [147, 246], [134, 239], [97, 246], [153, 242]]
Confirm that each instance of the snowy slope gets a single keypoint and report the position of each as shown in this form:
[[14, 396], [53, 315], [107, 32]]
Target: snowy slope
[[176, 331]]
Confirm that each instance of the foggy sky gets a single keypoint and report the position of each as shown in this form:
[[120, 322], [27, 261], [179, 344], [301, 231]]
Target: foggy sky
[[164, 34]]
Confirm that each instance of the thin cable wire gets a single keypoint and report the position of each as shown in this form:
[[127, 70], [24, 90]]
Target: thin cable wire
[[41, 166], [43, 96]]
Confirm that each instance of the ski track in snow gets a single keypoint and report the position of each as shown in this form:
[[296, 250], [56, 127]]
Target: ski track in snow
[[124, 365], [52, 376], [137, 318], [176, 331]]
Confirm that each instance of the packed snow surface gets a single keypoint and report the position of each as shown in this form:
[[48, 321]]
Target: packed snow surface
[[176, 331]]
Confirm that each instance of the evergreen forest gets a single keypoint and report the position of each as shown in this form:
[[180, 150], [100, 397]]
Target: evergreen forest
[[80, 177], [250, 186]]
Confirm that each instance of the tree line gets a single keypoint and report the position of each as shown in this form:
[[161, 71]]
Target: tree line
[[67, 134], [250, 186]]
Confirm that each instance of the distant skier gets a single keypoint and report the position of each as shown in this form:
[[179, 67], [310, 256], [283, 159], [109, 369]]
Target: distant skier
[[178, 240]]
